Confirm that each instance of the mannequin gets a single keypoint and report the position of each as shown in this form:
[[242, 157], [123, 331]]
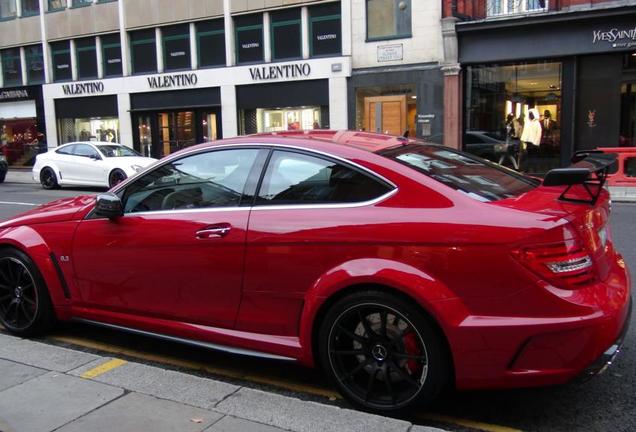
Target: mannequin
[[531, 135]]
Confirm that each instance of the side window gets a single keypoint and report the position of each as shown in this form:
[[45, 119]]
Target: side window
[[85, 150], [296, 178], [66, 150], [213, 179], [630, 167]]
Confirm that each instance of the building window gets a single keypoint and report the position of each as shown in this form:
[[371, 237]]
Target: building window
[[34, 64], [111, 55], [513, 114], [30, 7], [508, 7], [104, 129], [286, 34], [79, 3], [86, 58], [211, 43], [388, 19], [61, 54], [176, 47], [7, 9], [325, 30], [249, 38], [143, 51], [11, 67], [57, 5]]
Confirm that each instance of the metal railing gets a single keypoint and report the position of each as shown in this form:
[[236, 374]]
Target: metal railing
[[513, 7]]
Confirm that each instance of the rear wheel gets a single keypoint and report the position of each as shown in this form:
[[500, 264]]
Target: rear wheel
[[25, 305], [48, 179], [116, 176], [382, 353]]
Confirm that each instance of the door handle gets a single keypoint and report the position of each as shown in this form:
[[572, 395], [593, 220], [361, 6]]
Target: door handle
[[213, 232]]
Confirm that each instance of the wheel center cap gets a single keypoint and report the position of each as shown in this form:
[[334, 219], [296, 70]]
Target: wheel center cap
[[379, 352], [18, 292]]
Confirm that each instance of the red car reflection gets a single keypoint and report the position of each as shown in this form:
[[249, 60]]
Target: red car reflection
[[399, 267]]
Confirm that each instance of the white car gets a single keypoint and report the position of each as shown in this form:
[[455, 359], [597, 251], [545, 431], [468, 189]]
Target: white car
[[87, 164]]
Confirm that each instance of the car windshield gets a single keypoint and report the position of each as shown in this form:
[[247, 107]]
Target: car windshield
[[477, 178], [116, 151]]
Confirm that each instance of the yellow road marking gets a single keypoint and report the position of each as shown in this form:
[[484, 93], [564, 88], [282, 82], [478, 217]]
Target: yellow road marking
[[486, 427], [103, 368], [259, 379]]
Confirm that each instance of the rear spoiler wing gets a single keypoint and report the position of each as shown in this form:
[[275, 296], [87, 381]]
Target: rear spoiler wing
[[589, 168]]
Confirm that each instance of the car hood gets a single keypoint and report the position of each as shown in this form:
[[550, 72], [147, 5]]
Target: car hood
[[56, 211]]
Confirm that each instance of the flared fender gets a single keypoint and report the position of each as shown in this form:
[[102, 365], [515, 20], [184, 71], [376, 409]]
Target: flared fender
[[430, 293]]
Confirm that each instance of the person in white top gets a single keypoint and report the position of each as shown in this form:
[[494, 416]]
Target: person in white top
[[531, 135]]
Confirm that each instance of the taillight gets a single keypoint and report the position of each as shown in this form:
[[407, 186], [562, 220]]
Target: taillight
[[565, 264]]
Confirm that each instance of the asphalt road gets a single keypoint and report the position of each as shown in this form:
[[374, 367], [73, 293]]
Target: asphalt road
[[604, 403]]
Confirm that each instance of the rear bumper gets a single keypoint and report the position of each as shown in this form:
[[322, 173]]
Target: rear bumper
[[509, 352]]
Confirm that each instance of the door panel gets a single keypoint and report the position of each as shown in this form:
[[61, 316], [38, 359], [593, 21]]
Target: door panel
[[386, 114]]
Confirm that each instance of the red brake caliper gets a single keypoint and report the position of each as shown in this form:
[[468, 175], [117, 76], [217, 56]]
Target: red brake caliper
[[411, 347]]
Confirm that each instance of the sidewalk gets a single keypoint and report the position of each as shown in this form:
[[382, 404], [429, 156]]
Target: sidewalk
[[19, 176], [45, 388]]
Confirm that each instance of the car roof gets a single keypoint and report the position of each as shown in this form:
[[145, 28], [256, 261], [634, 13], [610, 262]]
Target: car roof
[[92, 143], [369, 141]]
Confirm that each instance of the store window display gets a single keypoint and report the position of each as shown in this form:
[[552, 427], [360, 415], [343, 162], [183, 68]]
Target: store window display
[[19, 140], [518, 107], [262, 120], [104, 129]]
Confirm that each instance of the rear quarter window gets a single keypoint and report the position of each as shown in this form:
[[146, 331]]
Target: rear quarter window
[[477, 178]]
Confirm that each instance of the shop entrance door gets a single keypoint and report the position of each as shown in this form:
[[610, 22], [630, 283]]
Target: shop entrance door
[[176, 131], [628, 115], [385, 114]]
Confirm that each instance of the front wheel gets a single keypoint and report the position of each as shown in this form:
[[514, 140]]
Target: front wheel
[[116, 176], [383, 353], [25, 305]]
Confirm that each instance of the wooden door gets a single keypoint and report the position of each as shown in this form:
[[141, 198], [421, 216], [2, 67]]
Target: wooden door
[[385, 114]]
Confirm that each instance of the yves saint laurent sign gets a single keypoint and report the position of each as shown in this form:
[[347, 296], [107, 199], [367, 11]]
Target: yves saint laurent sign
[[619, 38], [14, 94], [94, 87], [297, 70], [175, 80]]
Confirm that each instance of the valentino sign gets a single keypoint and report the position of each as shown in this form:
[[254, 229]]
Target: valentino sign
[[83, 88], [280, 72], [176, 80]]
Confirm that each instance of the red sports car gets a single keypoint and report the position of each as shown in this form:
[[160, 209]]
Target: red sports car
[[398, 267]]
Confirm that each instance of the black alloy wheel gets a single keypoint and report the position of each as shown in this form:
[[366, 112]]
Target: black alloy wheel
[[383, 354], [116, 176], [48, 179], [25, 306]]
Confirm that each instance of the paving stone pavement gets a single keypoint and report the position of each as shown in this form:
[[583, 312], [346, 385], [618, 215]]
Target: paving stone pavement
[[44, 388]]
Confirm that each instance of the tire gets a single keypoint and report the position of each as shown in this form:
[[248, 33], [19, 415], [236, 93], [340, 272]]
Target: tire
[[116, 176], [383, 353], [25, 304], [48, 179]]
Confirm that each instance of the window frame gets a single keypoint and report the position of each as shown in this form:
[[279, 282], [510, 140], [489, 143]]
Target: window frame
[[164, 39], [250, 27], [55, 52], [106, 46], [201, 34], [391, 37], [17, 58], [15, 12], [79, 3], [148, 41], [27, 13], [78, 50], [392, 188], [55, 9], [285, 23], [321, 18], [28, 58]]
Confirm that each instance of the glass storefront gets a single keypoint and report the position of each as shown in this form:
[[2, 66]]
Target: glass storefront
[[88, 129], [20, 140], [261, 120], [513, 114], [388, 109]]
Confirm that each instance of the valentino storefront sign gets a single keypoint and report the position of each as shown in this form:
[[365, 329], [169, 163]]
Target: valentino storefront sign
[[83, 88], [619, 38], [176, 80], [297, 70]]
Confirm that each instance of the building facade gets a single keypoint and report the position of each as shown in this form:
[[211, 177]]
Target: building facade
[[571, 63], [160, 75]]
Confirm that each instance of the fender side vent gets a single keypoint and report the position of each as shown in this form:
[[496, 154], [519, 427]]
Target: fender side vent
[[60, 275]]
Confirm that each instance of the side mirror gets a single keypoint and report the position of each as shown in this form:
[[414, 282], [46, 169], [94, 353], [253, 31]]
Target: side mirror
[[108, 205], [95, 157]]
